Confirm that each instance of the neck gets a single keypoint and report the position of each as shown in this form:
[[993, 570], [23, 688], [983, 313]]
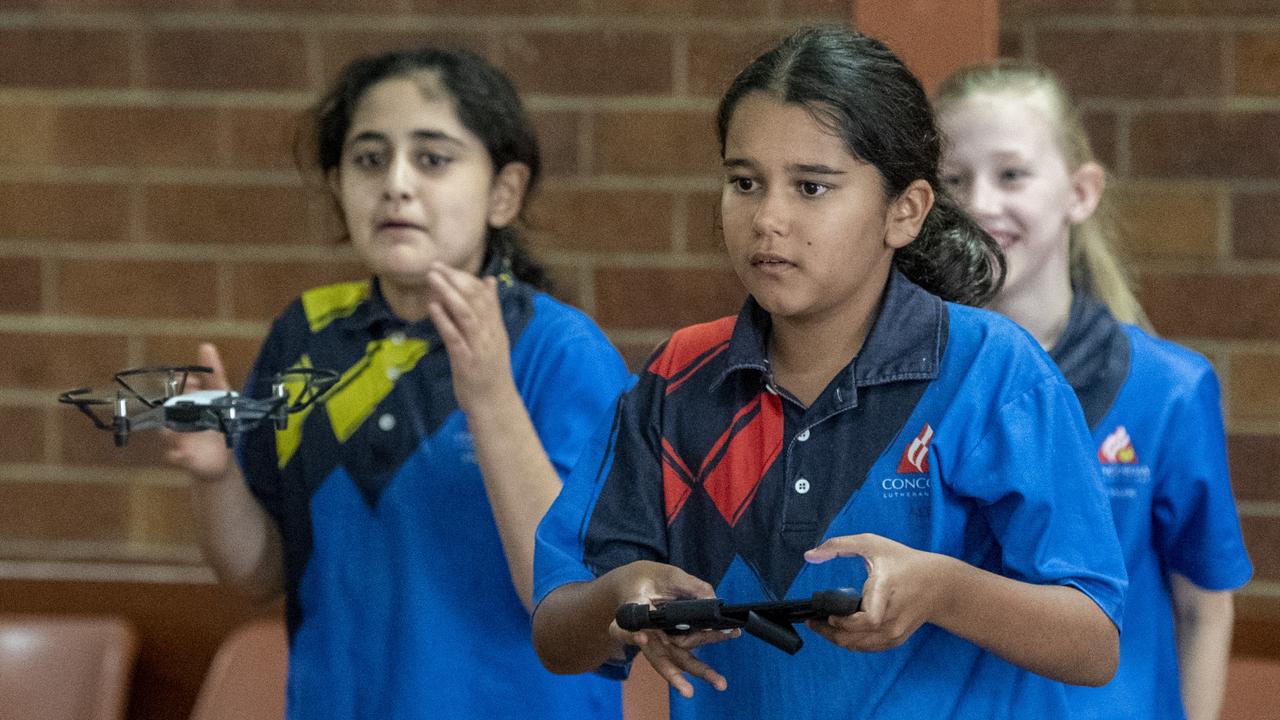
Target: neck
[[1043, 312], [805, 353], [408, 302]]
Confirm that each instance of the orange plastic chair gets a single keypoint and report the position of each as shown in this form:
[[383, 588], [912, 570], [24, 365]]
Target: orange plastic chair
[[1253, 689], [57, 667], [246, 679]]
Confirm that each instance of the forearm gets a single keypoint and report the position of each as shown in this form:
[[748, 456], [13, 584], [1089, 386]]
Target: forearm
[[239, 539], [571, 626], [1054, 631], [519, 479], [1202, 623]]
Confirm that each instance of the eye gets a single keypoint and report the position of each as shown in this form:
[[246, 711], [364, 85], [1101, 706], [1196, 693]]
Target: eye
[[742, 184], [812, 189], [368, 159], [1013, 175], [952, 181], [433, 160]]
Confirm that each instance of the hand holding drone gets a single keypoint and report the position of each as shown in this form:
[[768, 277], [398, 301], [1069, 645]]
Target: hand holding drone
[[177, 409]]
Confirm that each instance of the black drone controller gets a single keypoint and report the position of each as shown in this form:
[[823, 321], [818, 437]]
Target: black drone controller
[[769, 621]]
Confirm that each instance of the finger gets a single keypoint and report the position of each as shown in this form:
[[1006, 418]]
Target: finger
[[875, 597], [843, 546], [704, 637], [676, 583], [660, 660], [217, 380], [459, 307], [454, 341], [673, 662]]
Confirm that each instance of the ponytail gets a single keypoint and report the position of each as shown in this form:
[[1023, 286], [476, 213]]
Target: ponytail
[[953, 257]]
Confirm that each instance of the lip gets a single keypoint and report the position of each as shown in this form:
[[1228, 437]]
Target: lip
[[1003, 238], [770, 260]]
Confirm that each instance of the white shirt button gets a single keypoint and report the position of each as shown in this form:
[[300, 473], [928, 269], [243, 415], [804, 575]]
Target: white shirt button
[[802, 486], [387, 422], [396, 338], [393, 374], [804, 435]]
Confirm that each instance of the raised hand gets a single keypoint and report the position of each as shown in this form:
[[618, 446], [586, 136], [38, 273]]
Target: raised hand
[[202, 454], [900, 594], [468, 317]]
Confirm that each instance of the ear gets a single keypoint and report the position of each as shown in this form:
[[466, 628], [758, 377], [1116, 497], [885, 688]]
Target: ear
[[506, 196], [906, 214], [1087, 185]]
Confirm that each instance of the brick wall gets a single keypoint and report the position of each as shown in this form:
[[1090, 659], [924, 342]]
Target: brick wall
[[148, 201]]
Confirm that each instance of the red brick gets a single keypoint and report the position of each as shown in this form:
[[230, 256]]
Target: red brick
[[61, 58], [20, 278], [63, 511], [1257, 55], [1205, 8], [587, 63], [662, 298], [237, 353], [340, 48], [1103, 133], [262, 138], [1155, 64], [261, 291], [1254, 461], [83, 444], [60, 362], [23, 437], [656, 143], [1210, 305], [715, 59], [190, 214], [1035, 9], [138, 288], [558, 141], [79, 212], [702, 223], [163, 515], [566, 286], [1255, 222], [1253, 391], [225, 60], [1164, 222], [840, 10], [603, 220], [735, 9], [496, 7], [317, 6], [120, 136], [1262, 539], [1198, 144], [1010, 43]]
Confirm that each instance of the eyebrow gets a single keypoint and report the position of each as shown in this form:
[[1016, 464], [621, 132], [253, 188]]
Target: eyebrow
[[807, 168], [372, 135]]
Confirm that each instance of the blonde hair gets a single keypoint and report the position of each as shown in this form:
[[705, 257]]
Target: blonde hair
[[1095, 266]]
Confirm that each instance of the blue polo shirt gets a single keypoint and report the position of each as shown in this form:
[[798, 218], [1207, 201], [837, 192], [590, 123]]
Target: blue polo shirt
[[950, 432], [399, 599], [1156, 418]]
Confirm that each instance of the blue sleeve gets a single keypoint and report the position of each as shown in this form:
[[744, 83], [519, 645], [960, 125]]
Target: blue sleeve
[[569, 383], [1034, 477], [1195, 526], [610, 511]]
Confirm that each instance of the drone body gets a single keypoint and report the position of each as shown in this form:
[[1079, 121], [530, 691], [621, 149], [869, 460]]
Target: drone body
[[226, 411]]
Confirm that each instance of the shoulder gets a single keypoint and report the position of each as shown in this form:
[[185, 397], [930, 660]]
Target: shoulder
[[691, 345], [1158, 360], [552, 315], [984, 340]]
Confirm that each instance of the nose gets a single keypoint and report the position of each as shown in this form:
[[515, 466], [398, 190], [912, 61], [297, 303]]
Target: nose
[[770, 217], [982, 198], [398, 181]]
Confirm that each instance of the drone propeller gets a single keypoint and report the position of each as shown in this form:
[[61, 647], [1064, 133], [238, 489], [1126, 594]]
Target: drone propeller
[[175, 380], [84, 404], [315, 383]]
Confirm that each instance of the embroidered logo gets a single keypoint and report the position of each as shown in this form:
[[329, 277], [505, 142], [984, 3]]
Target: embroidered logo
[[915, 459], [1117, 449]]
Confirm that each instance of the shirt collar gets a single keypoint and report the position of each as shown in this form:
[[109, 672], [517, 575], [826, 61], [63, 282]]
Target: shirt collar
[[374, 315], [905, 342]]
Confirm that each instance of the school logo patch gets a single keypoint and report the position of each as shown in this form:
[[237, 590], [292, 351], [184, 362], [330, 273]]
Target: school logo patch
[[915, 459], [1117, 448]]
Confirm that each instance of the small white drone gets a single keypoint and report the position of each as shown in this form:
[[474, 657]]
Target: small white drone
[[224, 410]]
